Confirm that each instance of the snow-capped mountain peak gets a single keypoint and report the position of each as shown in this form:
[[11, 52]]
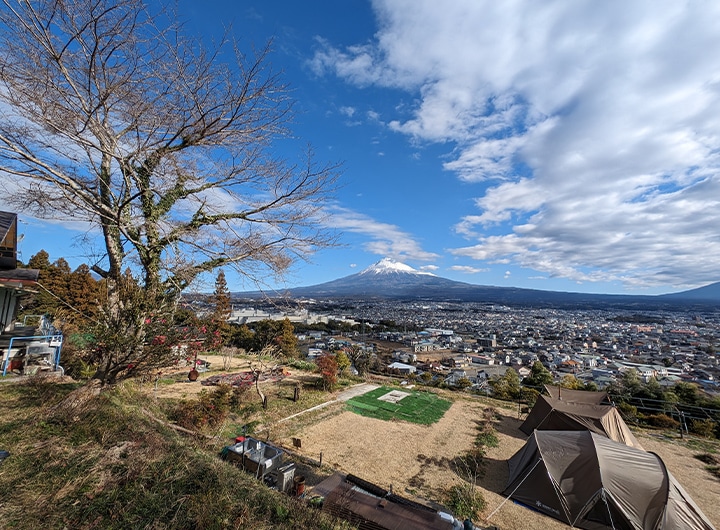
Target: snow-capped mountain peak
[[390, 266]]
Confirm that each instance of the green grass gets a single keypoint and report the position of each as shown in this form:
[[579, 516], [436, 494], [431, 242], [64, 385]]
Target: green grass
[[419, 407]]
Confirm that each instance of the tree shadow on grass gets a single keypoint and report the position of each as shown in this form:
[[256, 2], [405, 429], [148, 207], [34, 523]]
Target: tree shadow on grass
[[495, 475], [510, 426]]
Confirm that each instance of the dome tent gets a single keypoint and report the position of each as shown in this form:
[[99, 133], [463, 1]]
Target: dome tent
[[588, 481], [560, 415]]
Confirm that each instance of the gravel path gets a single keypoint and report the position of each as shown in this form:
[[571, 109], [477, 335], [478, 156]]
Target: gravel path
[[355, 390]]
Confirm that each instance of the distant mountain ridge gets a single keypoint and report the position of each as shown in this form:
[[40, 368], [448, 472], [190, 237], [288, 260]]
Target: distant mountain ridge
[[392, 280]]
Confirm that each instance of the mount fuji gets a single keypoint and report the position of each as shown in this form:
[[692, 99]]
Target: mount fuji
[[385, 279], [392, 280]]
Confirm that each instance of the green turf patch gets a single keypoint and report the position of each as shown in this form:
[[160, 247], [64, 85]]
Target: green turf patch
[[418, 407]]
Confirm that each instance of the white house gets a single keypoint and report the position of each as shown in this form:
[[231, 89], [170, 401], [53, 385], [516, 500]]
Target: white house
[[403, 368]]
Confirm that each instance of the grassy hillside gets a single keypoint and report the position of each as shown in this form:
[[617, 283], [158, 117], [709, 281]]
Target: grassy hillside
[[109, 464]]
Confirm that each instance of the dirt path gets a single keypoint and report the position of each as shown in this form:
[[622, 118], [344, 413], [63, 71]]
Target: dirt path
[[355, 390]]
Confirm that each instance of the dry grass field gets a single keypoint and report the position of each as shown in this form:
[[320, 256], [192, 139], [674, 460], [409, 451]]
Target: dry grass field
[[414, 459]]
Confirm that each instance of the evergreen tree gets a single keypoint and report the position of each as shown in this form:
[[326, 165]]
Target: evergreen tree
[[267, 333], [70, 299], [40, 261], [221, 299], [288, 340], [686, 392], [507, 386], [242, 337], [220, 328], [539, 376], [84, 295], [42, 302]]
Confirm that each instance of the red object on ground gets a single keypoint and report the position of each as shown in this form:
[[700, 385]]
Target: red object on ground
[[239, 439]]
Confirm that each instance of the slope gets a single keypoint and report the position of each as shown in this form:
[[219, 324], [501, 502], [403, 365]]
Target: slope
[[113, 467]]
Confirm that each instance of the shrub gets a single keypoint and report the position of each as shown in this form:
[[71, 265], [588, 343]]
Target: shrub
[[74, 363], [662, 421], [704, 428], [237, 396], [465, 500], [209, 409], [463, 383], [712, 463], [328, 370], [628, 412], [487, 438], [302, 365]]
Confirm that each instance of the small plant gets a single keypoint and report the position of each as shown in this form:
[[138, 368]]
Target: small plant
[[712, 463], [487, 438], [465, 500]]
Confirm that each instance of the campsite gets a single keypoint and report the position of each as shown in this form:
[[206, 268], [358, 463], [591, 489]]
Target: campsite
[[414, 459], [409, 448]]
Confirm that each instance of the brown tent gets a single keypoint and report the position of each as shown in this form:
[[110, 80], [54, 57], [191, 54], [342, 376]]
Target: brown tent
[[589, 481], [550, 414], [577, 396]]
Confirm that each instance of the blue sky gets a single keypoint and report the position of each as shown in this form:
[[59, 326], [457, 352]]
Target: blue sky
[[551, 145]]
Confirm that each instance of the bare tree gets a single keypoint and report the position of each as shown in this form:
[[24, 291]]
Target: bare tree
[[266, 363], [360, 359], [111, 115]]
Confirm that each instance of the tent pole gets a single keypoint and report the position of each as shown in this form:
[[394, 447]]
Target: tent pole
[[604, 498], [513, 491], [586, 507]]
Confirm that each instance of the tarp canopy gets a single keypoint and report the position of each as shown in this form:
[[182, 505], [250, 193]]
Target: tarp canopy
[[550, 414], [577, 396], [589, 481]]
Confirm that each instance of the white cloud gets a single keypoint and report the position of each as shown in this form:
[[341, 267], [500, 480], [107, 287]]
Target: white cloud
[[591, 128], [429, 268], [467, 269], [347, 111], [386, 240], [373, 116]]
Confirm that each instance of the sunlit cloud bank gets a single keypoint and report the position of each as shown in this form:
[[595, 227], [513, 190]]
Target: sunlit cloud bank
[[589, 130]]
